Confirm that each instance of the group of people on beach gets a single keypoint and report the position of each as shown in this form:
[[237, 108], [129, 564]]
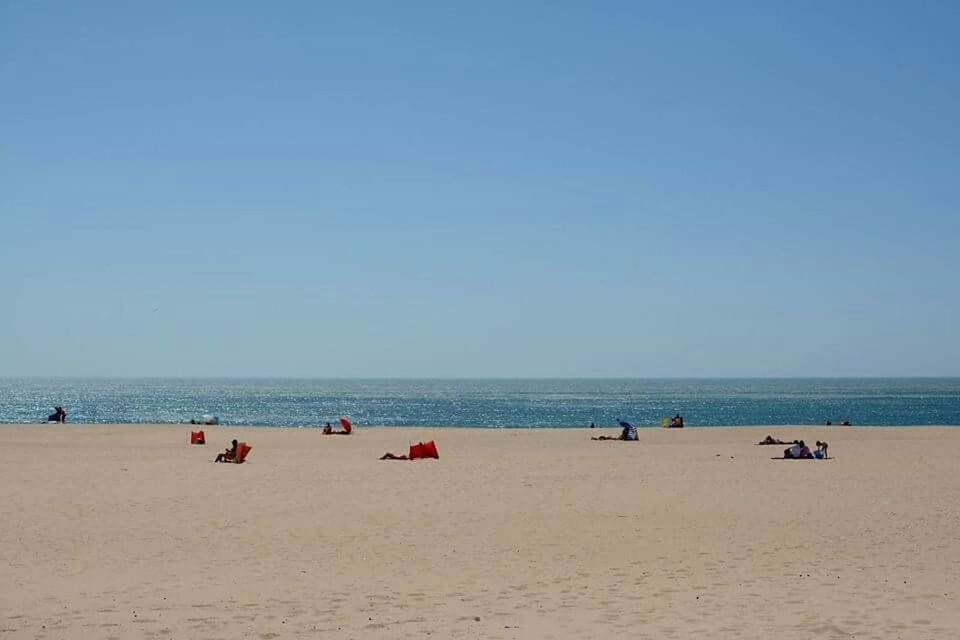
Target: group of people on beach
[[629, 432], [233, 454], [798, 449]]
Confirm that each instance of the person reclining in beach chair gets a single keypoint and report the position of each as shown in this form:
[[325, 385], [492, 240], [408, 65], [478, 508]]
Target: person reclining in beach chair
[[237, 453], [230, 454], [629, 433]]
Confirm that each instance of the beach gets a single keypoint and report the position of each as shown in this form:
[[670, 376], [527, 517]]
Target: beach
[[123, 531]]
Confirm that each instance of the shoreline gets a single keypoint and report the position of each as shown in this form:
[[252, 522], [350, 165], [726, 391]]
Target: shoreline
[[493, 403], [645, 427]]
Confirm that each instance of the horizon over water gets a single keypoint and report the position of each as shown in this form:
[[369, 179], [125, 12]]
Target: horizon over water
[[486, 402]]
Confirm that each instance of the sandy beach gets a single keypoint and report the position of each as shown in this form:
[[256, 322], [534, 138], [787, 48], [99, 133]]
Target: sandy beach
[[129, 532]]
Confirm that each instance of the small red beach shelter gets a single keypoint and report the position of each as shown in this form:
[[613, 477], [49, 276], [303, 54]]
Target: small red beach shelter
[[424, 450], [197, 437], [347, 427]]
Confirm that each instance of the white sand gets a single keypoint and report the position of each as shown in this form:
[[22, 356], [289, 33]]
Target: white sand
[[129, 532]]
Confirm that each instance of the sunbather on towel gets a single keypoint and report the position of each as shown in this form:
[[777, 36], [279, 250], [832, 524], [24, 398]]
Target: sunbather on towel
[[799, 451], [391, 456], [229, 455], [629, 433], [772, 440], [328, 431]]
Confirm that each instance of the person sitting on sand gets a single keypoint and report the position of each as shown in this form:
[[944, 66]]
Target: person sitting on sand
[[772, 440], [821, 452], [677, 422], [58, 415], [229, 455], [845, 423], [629, 433]]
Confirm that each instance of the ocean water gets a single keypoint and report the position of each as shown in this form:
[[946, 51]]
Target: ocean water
[[486, 403]]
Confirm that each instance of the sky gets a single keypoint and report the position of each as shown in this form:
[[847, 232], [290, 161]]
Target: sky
[[496, 189]]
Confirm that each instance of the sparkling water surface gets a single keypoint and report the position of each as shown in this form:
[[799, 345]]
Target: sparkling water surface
[[486, 402]]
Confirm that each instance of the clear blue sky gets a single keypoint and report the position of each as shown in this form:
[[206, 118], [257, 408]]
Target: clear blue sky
[[479, 189]]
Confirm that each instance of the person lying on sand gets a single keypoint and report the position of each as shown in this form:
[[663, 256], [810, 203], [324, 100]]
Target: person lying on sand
[[347, 428], [772, 440], [391, 456], [629, 433], [229, 455], [799, 451]]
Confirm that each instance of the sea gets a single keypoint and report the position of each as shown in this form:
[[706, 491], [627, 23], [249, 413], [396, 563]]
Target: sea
[[494, 403]]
